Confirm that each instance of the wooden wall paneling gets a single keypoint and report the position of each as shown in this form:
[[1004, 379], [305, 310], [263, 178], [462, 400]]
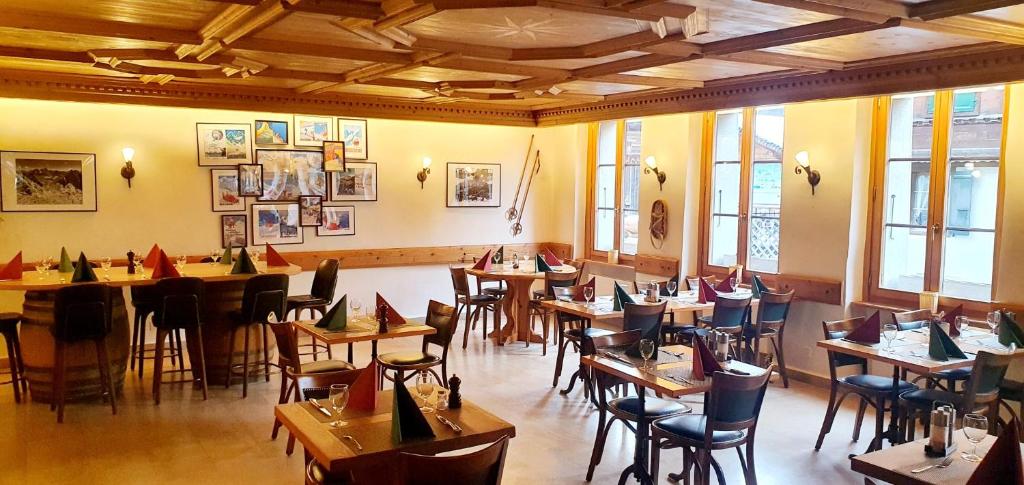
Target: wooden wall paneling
[[414, 256], [811, 289], [657, 265]]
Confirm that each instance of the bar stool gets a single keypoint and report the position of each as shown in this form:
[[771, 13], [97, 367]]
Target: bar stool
[[81, 313], [9, 327], [179, 307], [320, 296], [264, 294], [144, 299]]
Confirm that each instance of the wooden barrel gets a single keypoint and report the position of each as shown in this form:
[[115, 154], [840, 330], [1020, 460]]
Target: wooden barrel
[[83, 375], [223, 297]]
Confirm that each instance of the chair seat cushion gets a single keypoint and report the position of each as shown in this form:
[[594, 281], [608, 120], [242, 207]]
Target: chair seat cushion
[[407, 358], [495, 291], [305, 300], [750, 332], [653, 407], [923, 398], [538, 294], [319, 366], [691, 427], [876, 383], [577, 333], [961, 374], [478, 299], [9, 321]]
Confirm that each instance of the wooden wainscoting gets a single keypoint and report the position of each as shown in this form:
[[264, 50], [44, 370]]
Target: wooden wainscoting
[[384, 257], [650, 264], [807, 288]]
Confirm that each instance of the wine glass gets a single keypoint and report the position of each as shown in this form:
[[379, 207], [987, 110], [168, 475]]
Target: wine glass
[[357, 306], [961, 323], [672, 286], [646, 351], [214, 255], [339, 398], [42, 269], [889, 332], [106, 263], [256, 254], [424, 387], [992, 319], [588, 293], [48, 263], [975, 428]]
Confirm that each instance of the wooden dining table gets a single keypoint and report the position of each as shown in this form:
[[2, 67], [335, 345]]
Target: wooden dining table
[[223, 294], [516, 304], [602, 307], [894, 465], [372, 431], [363, 330], [670, 376]]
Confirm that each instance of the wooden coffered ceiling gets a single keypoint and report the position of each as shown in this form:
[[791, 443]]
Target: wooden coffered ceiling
[[520, 62]]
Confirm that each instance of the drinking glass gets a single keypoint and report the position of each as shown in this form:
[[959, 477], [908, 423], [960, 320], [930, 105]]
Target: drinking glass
[[646, 351], [961, 323], [42, 269], [339, 398], [214, 255], [975, 428], [106, 263], [424, 387], [992, 319], [732, 282], [889, 332], [672, 286], [588, 293], [357, 306], [441, 402], [256, 254]]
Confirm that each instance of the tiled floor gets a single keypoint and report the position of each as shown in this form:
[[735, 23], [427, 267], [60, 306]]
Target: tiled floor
[[227, 439]]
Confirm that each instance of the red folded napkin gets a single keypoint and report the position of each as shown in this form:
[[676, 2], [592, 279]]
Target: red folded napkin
[[950, 318], [725, 286], [393, 317], [485, 262], [363, 392], [869, 332], [706, 293], [12, 270], [704, 363], [151, 258], [577, 294], [164, 268], [1002, 464], [551, 259], [274, 258]]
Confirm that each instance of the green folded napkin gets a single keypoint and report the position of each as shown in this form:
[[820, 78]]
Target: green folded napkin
[[65, 262], [83, 271], [542, 266], [941, 347], [499, 256], [226, 257], [337, 317], [407, 421], [1010, 331], [619, 296], [244, 264], [757, 286]]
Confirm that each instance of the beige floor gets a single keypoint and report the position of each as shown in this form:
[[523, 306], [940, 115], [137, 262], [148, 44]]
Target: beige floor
[[227, 439]]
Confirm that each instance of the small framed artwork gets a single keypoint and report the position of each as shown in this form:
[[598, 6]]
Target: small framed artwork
[[47, 182], [334, 156], [221, 144], [233, 231], [226, 197], [474, 185], [313, 131], [353, 133], [359, 182], [276, 224], [338, 221], [270, 132], [287, 174], [311, 210], [250, 180]]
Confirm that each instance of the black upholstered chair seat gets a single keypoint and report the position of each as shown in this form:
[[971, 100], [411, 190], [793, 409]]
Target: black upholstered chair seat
[[653, 407], [578, 333], [475, 299], [961, 374], [395, 359], [9, 321], [876, 383], [691, 427], [319, 366], [751, 332], [498, 292], [306, 300], [923, 398]]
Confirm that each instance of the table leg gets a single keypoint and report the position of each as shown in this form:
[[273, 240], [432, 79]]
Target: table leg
[[639, 467], [517, 313], [894, 400]]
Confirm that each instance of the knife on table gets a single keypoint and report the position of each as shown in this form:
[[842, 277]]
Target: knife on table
[[320, 407], [447, 422]]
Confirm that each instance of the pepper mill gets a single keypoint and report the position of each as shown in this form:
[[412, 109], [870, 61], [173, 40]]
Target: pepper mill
[[131, 262], [454, 396], [382, 319]]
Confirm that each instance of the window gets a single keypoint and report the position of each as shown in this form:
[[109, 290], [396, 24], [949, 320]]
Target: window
[[940, 169], [615, 207]]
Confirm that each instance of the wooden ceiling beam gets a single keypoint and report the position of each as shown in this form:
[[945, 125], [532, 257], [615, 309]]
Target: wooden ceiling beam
[[765, 58], [828, 9], [481, 65], [936, 9], [975, 26], [794, 35], [888, 8], [624, 65], [321, 50], [589, 7], [339, 8], [19, 19], [664, 82]]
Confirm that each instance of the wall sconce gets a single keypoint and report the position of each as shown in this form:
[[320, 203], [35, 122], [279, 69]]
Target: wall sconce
[[128, 171], [804, 164], [652, 166], [422, 174]]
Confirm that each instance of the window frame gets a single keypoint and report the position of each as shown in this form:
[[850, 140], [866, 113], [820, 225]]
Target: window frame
[[936, 219], [593, 140]]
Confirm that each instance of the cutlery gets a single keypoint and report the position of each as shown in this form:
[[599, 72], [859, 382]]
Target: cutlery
[[447, 422], [349, 437], [320, 407], [737, 372], [945, 463], [616, 357]]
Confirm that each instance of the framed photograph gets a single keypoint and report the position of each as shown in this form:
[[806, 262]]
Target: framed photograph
[[313, 131], [221, 144], [338, 221], [288, 174], [276, 224], [270, 132], [311, 210], [474, 185], [359, 182], [47, 182], [353, 133], [334, 156], [250, 180], [226, 198], [233, 231]]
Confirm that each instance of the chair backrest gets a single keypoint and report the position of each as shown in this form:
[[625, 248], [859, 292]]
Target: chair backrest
[[325, 279], [81, 312], [730, 312], [773, 309], [265, 294], [912, 319], [442, 318], [180, 302], [693, 281], [460, 282], [986, 376], [733, 403], [206, 259], [142, 294], [646, 318], [839, 329], [482, 467], [619, 340], [554, 279], [287, 346], [318, 385]]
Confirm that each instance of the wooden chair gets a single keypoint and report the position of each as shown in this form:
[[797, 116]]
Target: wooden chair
[[321, 295], [9, 329], [914, 319], [264, 295], [871, 389], [730, 315], [622, 409], [81, 313], [552, 280], [144, 300], [179, 307], [731, 411], [313, 382], [472, 304], [443, 319], [772, 312], [482, 467], [669, 329]]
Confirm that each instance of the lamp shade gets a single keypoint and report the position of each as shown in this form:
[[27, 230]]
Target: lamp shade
[[803, 159], [651, 162], [128, 153], [426, 162]]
